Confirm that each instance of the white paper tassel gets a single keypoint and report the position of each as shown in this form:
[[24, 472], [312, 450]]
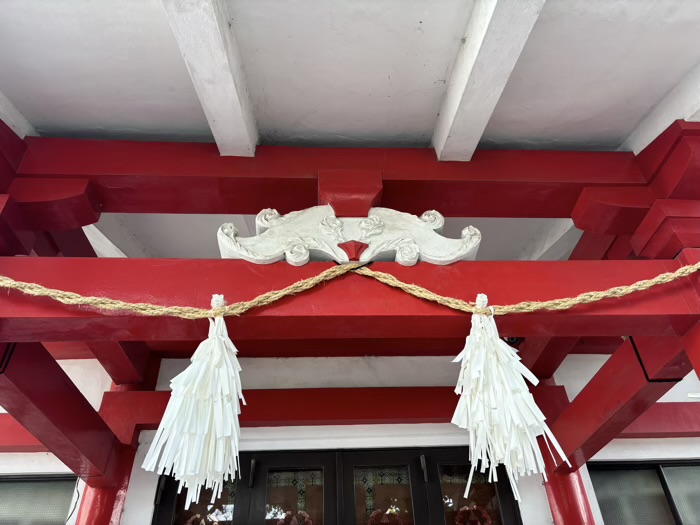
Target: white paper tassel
[[197, 440], [496, 407]]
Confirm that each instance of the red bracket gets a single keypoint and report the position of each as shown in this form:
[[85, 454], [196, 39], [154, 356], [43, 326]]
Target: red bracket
[[351, 193]]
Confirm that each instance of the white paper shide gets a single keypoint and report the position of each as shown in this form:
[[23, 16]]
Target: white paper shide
[[496, 407], [197, 440]]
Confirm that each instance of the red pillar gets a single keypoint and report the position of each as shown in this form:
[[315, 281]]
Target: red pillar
[[566, 492], [42, 398]]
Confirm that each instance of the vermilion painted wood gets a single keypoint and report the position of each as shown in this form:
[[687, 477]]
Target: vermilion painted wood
[[105, 505], [678, 176], [63, 204], [543, 355], [655, 154], [618, 394], [73, 243], [126, 413], [12, 148], [351, 193], [620, 249], [691, 343], [663, 357], [15, 438], [611, 211], [350, 307], [69, 350], [13, 242], [126, 362], [592, 246], [658, 234], [666, 420], [194, 178], [42, 398], [566, 491]]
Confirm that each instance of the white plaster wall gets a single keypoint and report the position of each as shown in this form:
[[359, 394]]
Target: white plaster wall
[[332, 372], [140, 496]]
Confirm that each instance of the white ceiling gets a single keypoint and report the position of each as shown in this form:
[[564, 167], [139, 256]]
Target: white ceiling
[[592, 69], [98, 68], [344, 72]]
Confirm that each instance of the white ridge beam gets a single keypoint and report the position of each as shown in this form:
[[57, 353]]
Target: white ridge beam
[[208, 45], [682, 102], [495, 37], [11, 116]]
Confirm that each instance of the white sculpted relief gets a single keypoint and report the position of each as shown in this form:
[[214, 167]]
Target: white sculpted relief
[[316, 234]]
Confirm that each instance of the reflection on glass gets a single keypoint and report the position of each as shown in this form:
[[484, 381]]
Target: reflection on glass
[[204, 512], [383, 496], [294, 497], [480, 508]]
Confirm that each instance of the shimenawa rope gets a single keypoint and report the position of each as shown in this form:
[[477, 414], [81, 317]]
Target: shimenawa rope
[[188, 312]]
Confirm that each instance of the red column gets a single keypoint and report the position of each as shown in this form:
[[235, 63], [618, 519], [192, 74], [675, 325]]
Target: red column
[[566, 492]]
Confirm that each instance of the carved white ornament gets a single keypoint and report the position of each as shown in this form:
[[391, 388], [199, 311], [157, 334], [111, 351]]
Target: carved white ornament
[[315, 233]]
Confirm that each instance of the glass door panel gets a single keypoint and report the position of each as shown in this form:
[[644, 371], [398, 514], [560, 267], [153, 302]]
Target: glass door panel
[[383, 495], [481, 506], [294, 497]]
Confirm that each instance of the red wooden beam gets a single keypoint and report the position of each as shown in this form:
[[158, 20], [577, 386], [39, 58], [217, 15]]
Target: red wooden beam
[[626, 385], [129, 412], [666, 420], [351, 307], [193, 178], [15, 438], [655, 155], [543, 355], [126, 362], [38, 393]]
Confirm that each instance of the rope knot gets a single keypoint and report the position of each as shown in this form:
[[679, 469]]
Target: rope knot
[[217, 301]]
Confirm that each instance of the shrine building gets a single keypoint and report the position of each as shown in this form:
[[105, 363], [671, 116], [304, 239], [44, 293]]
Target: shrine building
[[312, 195]]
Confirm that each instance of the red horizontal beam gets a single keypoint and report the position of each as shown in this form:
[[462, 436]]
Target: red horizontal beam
[[666, 420], [126, 413], [15, 438], [158, 177], [351, 307]]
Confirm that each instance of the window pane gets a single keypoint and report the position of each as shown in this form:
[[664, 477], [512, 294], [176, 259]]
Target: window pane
[[45, 502], [219, 512], [631, 497], [294, 495], [383, 495], [482, 503], [684, 484]]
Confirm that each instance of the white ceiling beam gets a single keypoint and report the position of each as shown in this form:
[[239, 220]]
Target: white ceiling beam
[[682, 102], [495, 37], [11, 116], [203, 32]]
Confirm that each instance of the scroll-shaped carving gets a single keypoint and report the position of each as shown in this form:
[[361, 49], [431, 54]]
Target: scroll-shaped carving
[[316, 234]]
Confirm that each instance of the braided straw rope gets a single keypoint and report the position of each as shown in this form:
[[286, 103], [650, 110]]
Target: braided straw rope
[[188, 312]]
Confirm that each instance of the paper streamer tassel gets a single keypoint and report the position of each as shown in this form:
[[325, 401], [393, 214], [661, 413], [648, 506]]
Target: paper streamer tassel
[[496, 407], [197, 440]]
